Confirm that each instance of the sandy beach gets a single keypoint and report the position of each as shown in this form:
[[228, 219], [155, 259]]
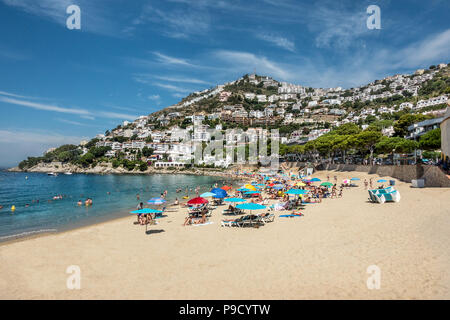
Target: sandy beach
[[322, 255]]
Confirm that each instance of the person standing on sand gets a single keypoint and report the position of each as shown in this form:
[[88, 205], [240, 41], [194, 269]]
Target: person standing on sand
[[365, 184], [370, 183]]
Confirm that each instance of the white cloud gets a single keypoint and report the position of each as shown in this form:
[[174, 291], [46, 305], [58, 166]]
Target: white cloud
[[80, 112], [154, 97], [9, 94], [172, 87], [11, 54], [433, 48], [245, 62], [277, 41], [76, 123], [165, 59], [178, 22], [181, 79], [45, 107], [335, 27], [17, 145]]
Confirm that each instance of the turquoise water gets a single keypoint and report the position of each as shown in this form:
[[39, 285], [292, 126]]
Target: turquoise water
[[58, 215]]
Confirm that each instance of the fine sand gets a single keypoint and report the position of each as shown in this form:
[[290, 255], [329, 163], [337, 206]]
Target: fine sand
[[322, 255]]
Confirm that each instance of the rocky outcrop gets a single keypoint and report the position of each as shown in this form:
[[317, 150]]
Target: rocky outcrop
[[107, 168]]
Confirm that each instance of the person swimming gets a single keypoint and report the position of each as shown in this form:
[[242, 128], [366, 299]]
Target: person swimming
[[79, 203]]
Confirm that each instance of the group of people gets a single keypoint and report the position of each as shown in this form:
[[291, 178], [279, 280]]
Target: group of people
[[88, 202], [368, 184]]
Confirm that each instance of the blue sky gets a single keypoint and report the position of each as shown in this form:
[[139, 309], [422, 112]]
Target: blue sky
[[132, 58]]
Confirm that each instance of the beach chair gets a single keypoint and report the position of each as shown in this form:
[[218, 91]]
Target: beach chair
[[232, 223], [267, 217], [251, 220]]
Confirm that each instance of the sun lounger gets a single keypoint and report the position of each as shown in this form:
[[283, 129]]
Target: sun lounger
[[231, 223], [383, 195], [267, 217]]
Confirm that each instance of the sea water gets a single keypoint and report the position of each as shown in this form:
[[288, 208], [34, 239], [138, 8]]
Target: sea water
[[113, 196]]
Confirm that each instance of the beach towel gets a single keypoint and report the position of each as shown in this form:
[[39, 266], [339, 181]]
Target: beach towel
[[290, 215], [202, 224]]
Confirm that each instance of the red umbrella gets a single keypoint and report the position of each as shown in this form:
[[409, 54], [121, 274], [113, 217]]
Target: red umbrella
[[198, 200], [226, 188], [271, 185]]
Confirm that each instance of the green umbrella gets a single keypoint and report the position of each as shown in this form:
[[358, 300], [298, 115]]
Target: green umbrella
[[326, 184]]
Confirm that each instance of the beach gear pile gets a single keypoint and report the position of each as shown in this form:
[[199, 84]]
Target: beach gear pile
[[382, 195]]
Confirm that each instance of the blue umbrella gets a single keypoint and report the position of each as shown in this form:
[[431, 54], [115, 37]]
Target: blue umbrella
[[278, 187], [355, 179], [381, 180], [156, 201], [219, 193], [315, 179], [250, 206], [251, 192], [235, 200], [207, 194], [297, 191], [243, 189], [146, 211]]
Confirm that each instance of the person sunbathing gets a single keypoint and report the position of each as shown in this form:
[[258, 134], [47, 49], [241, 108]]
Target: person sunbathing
[[188, 220]]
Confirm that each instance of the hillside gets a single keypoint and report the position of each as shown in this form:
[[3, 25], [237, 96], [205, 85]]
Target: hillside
[[301, 114]]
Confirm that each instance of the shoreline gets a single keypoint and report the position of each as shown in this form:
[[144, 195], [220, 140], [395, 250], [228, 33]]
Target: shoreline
[[322, 255], [92, 222]]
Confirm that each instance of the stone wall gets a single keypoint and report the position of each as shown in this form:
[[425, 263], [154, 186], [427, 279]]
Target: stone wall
[[432, 175]]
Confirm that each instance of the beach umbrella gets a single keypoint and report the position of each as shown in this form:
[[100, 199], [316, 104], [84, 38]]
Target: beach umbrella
[[198, 200], [250, 187], [243, 189], [219, 193], [235, 200], [355, 179], [207, 194], [297, 191], [345, 181], [146, 211], [251, 192], [156, 201], [226, 188], [326, 184], [315, 180], [278, 187], [381, 180], [250, 206], [300, 184]]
